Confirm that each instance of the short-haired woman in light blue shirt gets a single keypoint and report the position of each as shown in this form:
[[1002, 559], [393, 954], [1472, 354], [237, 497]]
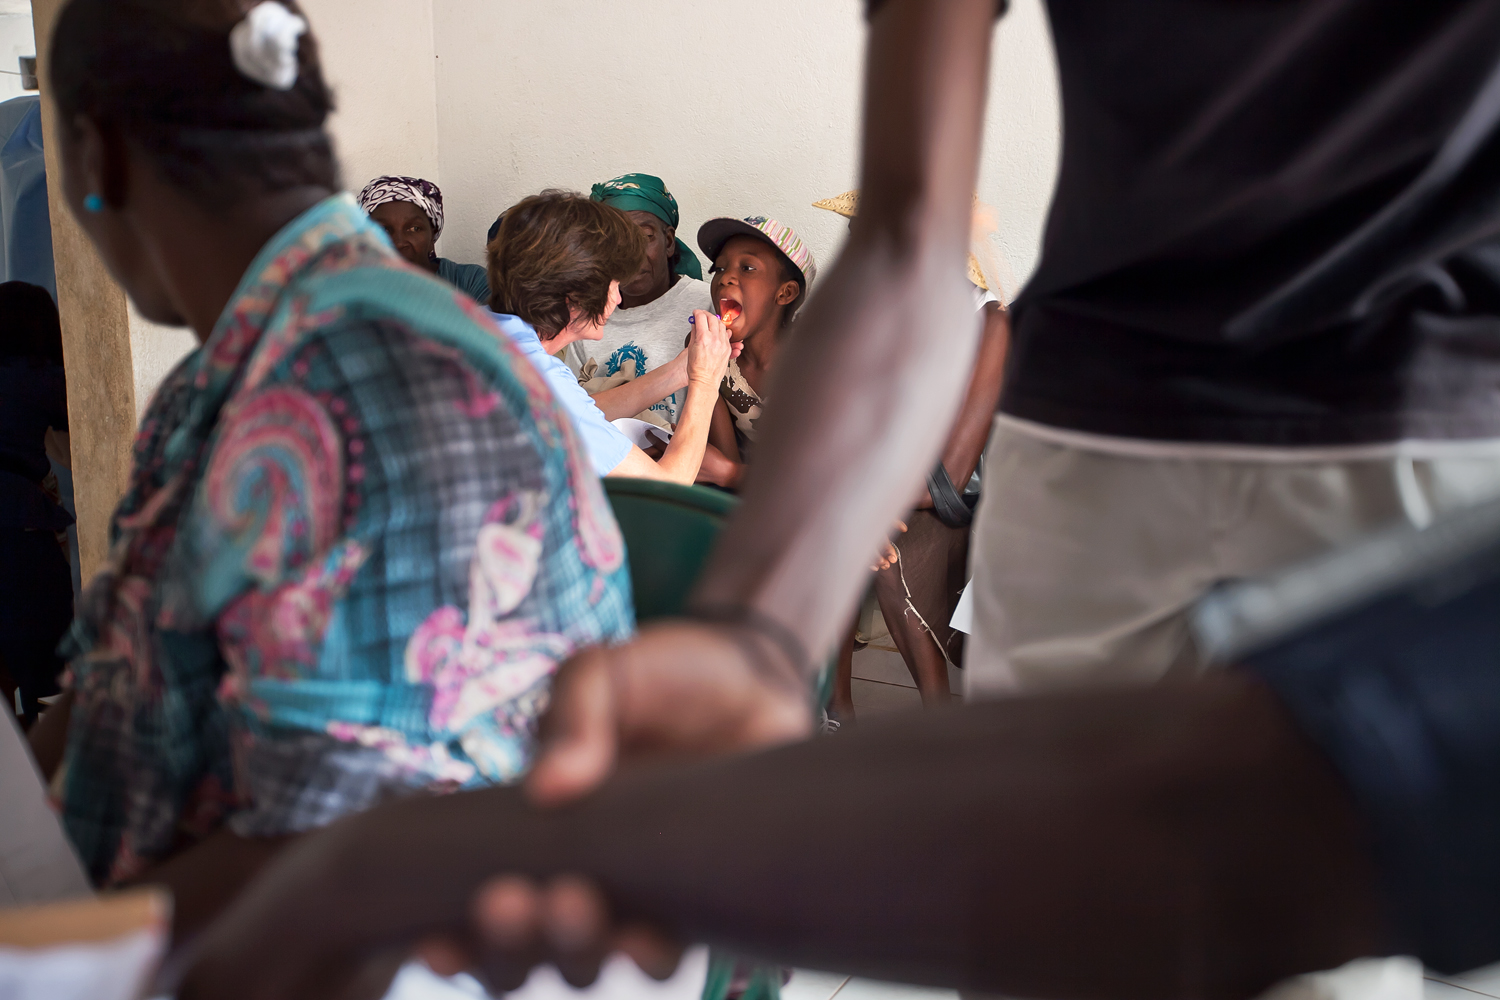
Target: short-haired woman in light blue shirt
[[555, 268]]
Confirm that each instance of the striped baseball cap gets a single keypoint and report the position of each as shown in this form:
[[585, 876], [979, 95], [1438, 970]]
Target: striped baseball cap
[[714, 233]]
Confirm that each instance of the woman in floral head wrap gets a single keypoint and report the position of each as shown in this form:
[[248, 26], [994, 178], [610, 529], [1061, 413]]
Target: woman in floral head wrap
[[410, 210]]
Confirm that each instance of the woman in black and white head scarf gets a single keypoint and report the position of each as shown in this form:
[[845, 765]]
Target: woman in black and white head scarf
[[410, 210]]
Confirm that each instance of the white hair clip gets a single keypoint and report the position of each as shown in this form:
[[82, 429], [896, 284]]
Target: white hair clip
[[264, 44]]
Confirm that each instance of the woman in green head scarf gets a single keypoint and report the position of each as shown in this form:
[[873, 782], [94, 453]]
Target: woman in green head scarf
[[647, 333], [648, 203]]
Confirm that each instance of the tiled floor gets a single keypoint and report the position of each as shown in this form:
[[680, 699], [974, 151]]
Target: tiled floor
[[1483, 982], [825, 986], [882, 683]]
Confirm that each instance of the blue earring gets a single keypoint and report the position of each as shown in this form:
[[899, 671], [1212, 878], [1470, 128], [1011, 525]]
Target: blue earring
[[93, 203]]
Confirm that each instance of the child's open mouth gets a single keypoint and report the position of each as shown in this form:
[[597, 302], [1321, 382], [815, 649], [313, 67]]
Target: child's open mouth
[[729, 310]]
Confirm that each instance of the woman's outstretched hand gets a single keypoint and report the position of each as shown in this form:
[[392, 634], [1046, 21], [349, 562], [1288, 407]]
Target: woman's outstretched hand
[[708, 350]]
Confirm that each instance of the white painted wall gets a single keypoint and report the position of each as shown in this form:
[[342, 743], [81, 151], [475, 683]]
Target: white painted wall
[[16, 40], [378, 56], [1023, 135], [741, 110], [154, 352]]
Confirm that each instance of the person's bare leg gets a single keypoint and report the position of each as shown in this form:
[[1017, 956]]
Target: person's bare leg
[[915, 604], [928, 666], [206, 877], [1183, 841]]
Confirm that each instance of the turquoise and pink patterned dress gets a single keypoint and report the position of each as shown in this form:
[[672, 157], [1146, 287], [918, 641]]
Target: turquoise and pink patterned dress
[[358, 539]]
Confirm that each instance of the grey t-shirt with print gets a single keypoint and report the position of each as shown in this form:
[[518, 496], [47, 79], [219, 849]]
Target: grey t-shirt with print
[[641, 339]]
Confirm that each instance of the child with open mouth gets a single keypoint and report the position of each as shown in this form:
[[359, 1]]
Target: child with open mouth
[[760, 276]]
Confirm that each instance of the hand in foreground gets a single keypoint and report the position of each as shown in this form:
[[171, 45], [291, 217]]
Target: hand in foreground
[[300, 934], [333, 917], [300, 931], [515, 923], [708, 349], [678, 688]]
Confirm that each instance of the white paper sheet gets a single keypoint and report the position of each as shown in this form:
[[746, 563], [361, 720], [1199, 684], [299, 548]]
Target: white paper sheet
[[963, 612], [642, 434], [115, 970], [619, 979]]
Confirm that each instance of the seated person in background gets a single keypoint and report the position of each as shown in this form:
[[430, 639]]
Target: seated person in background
[[36, 585], [410, 210], [555, 266], [919, 589], [358, 534], [761, 273], [645, 336]]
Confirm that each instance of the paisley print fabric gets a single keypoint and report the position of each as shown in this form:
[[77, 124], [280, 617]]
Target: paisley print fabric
[[359, 537]]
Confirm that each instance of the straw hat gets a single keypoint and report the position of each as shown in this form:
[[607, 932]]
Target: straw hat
[[847, 205]]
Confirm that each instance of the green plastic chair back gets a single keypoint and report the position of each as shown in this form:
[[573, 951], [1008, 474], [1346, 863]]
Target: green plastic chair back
[[669, 531]]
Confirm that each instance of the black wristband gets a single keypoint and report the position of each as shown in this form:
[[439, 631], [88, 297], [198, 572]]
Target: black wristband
[[947, 503], [767, 628]]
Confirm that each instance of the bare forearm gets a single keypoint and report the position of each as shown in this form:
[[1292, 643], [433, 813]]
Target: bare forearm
[[630, 398], [852, 427], [722, 463], [971, 431], [684, 453], [873, 854], [721, 471], [205, 878]]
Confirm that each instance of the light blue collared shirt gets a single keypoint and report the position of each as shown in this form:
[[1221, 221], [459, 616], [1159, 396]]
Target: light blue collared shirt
[[607, 445]]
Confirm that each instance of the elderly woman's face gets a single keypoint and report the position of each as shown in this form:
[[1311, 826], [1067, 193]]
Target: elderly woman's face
[[410, 231], [654, 275]]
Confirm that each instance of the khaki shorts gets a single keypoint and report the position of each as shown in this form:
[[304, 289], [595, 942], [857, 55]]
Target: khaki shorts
[[1085, 561]]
